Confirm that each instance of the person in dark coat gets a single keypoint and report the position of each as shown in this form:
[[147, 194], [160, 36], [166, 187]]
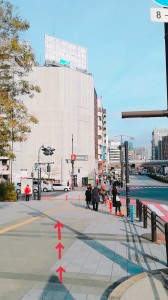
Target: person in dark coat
[[95, 197], [88, 195], [116, 204]]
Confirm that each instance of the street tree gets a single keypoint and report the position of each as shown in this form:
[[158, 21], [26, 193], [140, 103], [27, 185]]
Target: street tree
[[16, 62]]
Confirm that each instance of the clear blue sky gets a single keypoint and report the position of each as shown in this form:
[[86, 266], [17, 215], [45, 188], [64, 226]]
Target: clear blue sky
[[126, 54]]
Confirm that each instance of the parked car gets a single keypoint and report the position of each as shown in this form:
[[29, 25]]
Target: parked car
[[60, 187]]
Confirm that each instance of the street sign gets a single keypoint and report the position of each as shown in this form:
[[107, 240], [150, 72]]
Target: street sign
[[161, 2], [82, 157], [23, 174], [159, 15]]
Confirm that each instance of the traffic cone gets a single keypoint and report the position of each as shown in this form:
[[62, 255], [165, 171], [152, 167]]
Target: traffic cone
[[110, 206]]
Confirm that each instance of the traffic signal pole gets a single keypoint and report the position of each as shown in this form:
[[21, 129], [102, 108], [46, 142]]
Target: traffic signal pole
[[166, 55], [39, 174], [46, 151], [153, 113]]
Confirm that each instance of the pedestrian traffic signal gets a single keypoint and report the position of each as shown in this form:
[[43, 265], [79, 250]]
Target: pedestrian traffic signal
[[48, 168]]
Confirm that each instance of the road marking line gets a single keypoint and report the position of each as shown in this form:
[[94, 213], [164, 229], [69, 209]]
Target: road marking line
[[30, 220], [156, 210]]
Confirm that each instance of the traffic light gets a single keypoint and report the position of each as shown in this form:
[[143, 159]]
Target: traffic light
[[48, 150]]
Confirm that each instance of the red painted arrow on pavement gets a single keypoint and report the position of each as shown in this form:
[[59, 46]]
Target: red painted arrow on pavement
[[60, 270], [59, 247], [59, 226]]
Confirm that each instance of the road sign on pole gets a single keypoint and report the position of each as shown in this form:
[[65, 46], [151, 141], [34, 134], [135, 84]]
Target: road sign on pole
[[159, 15], [161, 2], [82, 157]]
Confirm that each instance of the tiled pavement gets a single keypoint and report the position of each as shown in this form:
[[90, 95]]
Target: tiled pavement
[[100, 252]]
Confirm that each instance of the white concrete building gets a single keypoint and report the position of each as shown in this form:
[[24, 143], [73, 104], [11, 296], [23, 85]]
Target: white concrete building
[[114, 152], [65, 107]]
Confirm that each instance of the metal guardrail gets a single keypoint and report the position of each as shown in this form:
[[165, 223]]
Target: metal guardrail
[[143, 212]]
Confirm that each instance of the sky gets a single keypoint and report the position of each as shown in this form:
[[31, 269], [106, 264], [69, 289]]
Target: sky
[[126, 55]]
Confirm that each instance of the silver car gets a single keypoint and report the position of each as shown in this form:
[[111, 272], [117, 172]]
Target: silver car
[[60, 187]]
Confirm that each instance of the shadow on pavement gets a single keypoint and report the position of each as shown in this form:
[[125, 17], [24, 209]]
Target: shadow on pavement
[[55, 290]]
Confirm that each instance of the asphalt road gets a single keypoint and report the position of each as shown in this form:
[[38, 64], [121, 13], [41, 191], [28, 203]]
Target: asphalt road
[[144, 188]]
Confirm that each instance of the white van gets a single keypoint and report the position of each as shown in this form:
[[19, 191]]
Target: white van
[[45, 187]]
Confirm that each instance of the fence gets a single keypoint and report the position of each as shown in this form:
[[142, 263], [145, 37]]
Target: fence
[[144, 213]]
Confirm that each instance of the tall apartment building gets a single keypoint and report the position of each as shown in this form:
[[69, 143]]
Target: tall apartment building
[[66, 106], [157, 135], [102, 136], [114, 153], [163, 148]]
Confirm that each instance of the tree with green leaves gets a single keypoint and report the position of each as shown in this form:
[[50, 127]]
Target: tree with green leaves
[[16, 61]]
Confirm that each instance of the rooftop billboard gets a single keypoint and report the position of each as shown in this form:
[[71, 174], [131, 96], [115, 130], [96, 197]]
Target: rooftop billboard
[[65, 53]]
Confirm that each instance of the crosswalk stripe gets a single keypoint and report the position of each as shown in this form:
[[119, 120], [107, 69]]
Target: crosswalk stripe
[[164, 206], [156, 210]]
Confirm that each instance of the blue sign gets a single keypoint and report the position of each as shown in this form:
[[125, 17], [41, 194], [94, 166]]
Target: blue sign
[[162, 2], [64, 62]]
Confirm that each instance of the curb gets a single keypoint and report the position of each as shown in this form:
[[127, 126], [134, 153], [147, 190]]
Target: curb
[[118, 292]]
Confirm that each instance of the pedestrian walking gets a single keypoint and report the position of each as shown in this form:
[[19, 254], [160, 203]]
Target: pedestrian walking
[[27, 192], [108, 189], [116, 200], [88, 195], [95, 197], [103, 190]]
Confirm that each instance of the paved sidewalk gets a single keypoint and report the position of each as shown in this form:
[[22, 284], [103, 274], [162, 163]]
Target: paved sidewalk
[[105, 257]]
